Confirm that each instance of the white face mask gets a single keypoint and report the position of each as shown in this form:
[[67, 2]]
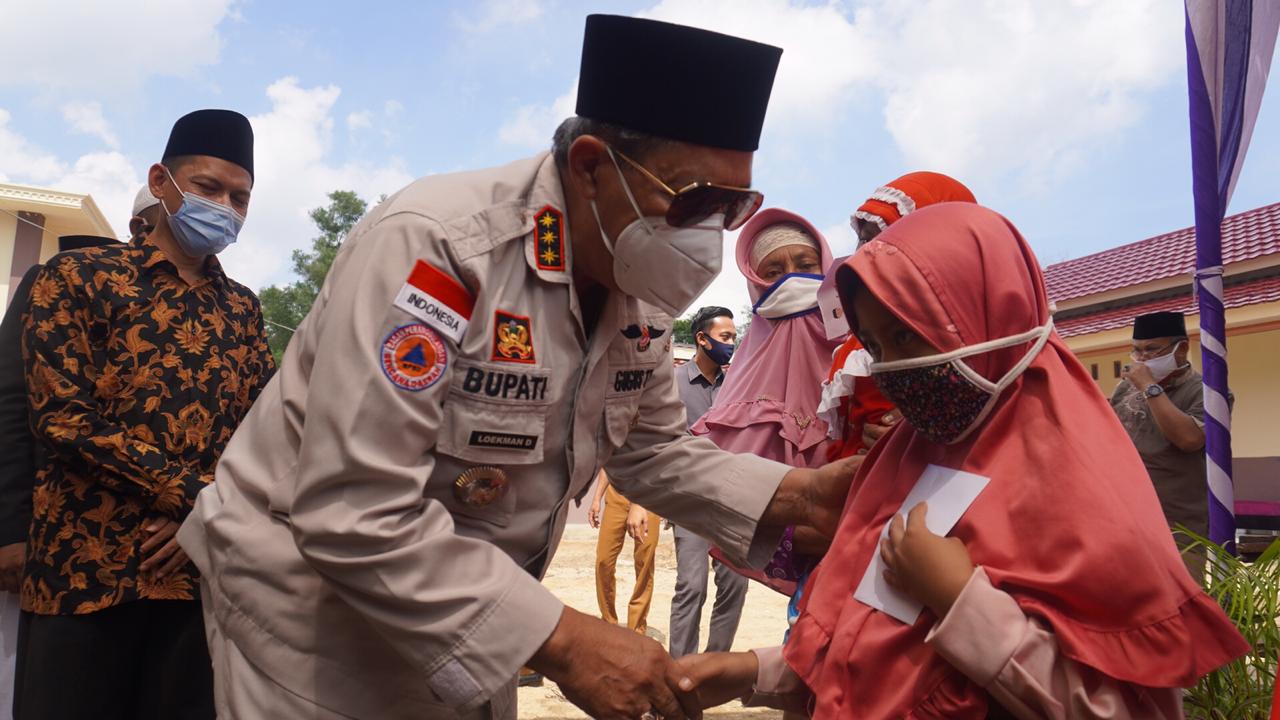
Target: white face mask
[[790, 295], [1165, 365], [662, 265]]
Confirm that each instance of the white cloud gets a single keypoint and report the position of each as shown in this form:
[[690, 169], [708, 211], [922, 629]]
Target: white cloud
[[988, 89], [22, 161], [86, 118], [107, 48], [293, 173], [491, 14], [107, 176], [825, 55], [1010, 91], [998, 89], [362, 120], [532, 125]]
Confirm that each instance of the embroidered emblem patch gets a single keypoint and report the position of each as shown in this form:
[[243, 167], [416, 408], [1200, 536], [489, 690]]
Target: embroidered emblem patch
[[643, 335], [512, 338], [434, 297], [414, 357], [548, 232]]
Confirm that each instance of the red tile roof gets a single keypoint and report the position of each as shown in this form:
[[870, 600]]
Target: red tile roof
[[1245, 236], [1250, 293]]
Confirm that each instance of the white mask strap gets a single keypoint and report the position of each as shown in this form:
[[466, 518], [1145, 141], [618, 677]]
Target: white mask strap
[[608, 244], [626, 187], [1042, 332], [175, 187], [999, 385]]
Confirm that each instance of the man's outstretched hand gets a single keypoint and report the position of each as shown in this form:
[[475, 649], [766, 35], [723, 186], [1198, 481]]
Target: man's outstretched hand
[[611, 672], [813, 498]]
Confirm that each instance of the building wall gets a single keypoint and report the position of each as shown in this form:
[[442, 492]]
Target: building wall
[[1253, 357], [8, 226]]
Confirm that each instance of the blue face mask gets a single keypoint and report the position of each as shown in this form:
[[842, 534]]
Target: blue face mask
[[202, 227], [720, 353]]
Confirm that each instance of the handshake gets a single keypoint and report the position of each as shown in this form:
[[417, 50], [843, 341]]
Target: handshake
[[611, 672]]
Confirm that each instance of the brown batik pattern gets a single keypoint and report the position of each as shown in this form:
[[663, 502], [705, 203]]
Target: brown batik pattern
[[136, 382]]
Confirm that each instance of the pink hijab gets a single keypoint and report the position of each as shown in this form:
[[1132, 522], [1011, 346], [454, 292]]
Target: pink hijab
[[1069, 525], [768, 403]]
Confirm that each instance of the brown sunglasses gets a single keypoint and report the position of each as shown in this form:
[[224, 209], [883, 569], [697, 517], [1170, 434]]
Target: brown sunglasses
[[698, 201]]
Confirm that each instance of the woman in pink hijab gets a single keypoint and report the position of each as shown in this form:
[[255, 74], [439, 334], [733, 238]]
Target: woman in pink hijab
[[770, 396], [769, 401]]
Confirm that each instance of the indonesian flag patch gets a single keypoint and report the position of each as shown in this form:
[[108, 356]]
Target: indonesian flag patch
[[435, 298]]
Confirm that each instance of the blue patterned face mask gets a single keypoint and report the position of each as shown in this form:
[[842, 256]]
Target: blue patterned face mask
[[202, 227]]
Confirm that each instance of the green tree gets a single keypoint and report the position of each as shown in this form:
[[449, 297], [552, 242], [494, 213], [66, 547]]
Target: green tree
[[682, 331], [284, 306]]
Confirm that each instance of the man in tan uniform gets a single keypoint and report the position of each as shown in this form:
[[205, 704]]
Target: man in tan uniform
[[484, 344]]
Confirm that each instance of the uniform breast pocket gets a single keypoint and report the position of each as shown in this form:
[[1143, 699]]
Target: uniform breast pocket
[[492, 433], [621, 415]]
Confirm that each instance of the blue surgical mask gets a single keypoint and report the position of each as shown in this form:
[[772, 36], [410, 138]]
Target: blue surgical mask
[[720, 353], [202, 227]]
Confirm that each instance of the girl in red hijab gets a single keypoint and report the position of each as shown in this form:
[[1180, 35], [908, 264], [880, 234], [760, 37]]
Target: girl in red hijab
[[849, 405], [1059, 592]]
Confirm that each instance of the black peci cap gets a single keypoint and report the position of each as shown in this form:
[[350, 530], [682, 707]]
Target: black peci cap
[[676, 82], [79, 242], [224, 134], [1159, 325]]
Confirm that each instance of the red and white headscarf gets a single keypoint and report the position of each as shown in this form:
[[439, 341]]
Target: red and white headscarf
[[903, 196]]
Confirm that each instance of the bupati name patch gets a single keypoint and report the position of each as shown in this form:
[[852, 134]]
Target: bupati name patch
[[434, 297], [504, 385], [508, 441]]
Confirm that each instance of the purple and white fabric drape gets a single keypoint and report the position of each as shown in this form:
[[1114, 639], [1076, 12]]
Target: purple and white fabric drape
[[1229, 48]]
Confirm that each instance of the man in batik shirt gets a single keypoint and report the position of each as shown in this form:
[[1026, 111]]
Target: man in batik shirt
[[141, 360]]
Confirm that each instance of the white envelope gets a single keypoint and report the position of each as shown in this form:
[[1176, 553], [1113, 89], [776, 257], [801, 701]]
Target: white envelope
[[949, 494]]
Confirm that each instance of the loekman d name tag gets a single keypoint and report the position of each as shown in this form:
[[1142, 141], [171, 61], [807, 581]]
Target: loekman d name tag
[[505, 441]]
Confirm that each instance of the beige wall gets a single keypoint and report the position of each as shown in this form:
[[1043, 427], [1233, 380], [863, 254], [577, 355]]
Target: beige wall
[[1254, 375], [8, 226]]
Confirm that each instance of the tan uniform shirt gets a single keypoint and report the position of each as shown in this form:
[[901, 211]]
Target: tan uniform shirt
[[1178, 476], [337, 556]]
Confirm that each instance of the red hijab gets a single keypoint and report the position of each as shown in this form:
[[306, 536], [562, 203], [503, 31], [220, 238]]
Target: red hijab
[[1069, 524]]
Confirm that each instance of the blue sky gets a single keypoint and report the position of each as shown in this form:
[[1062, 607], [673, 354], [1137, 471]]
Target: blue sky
[[1068, 117]]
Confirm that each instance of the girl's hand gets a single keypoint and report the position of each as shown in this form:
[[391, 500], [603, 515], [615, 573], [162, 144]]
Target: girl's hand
[[930, 568], [719, 677]]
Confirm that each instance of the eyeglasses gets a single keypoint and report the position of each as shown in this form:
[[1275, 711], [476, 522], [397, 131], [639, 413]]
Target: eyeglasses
[[1140, 354], [698, 201]]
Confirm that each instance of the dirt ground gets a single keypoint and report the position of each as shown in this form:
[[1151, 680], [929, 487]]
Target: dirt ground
[[572, 578]]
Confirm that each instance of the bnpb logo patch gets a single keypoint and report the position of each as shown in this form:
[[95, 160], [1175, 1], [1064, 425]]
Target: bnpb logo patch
[[414, 357]]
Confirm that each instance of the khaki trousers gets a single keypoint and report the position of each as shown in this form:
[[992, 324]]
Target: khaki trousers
[[613, 535]]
